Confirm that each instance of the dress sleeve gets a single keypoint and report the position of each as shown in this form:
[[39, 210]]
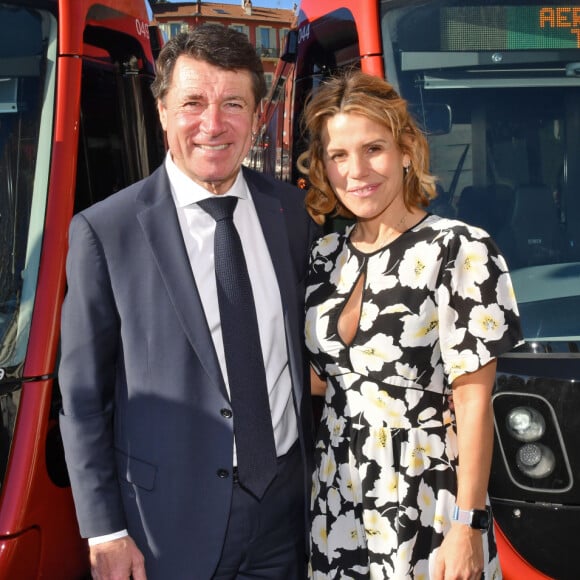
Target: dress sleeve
[[478, 313]]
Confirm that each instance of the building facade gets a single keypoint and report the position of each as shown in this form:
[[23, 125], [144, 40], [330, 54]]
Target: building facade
[[265, 27]]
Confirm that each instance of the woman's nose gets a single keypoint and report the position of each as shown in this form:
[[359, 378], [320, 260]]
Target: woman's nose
[[357, 166]]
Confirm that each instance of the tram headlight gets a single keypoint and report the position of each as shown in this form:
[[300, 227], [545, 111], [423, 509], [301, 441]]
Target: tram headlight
[[525, 424], [535, 460], [529, 439]]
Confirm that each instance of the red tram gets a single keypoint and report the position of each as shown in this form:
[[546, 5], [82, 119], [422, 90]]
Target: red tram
[[74, 96], [496, 86]]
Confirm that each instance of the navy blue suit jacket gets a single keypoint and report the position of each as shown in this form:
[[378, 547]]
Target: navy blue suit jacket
[[142, 388]]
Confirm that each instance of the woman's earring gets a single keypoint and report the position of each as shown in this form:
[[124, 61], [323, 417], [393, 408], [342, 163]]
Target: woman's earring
[[406, 169]]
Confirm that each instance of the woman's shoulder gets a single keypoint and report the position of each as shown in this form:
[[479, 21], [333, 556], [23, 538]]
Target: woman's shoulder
[[452, 228], [329, 243]]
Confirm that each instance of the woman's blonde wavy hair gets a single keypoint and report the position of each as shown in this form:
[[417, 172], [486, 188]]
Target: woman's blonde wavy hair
[[372, 97]]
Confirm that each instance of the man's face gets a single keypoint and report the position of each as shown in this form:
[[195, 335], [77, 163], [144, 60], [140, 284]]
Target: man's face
[[208, 114]]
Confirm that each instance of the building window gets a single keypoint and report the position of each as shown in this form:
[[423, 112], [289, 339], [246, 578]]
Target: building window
[[241, 28], [266, 42], [172, 29], [283, 34], [269, 78]]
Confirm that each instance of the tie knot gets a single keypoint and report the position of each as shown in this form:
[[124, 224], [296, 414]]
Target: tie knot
[[219, 207]]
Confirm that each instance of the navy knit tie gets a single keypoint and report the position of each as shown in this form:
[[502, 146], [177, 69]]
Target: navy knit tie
[[256, 450]]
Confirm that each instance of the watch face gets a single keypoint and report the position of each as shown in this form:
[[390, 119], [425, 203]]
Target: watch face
[[480, 519]]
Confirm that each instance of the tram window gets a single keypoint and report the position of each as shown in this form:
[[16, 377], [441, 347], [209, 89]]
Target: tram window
[[100, 170]]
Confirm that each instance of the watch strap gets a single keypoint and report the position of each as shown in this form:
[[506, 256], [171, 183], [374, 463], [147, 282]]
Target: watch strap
[[477, 519], [462, 516]]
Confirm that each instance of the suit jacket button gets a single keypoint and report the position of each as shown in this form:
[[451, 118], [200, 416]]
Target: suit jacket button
[[223, 473], [226, 413]]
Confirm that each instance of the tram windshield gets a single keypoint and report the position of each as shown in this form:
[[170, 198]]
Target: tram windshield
[[27, 77], [497, 87]]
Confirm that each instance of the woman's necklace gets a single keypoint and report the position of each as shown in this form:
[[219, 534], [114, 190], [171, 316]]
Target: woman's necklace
[[380, 242]]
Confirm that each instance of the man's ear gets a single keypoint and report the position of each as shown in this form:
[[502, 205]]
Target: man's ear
[[162, 114]]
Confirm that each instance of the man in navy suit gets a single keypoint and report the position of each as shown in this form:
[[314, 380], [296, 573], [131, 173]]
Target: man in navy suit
[[147, 422]]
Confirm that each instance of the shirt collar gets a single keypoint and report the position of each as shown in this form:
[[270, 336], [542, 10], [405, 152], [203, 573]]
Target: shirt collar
[[186, 192]]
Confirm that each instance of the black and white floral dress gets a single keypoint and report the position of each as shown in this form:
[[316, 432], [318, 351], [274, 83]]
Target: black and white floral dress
[[437, 302]]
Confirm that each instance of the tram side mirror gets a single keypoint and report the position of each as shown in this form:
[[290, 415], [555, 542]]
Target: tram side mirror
[[8, 95], [290, 47], [433, 118]]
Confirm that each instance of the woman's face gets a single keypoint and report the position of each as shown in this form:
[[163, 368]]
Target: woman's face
[[364, 165]]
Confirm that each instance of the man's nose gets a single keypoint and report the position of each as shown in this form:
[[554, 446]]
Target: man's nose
[[212, 119]]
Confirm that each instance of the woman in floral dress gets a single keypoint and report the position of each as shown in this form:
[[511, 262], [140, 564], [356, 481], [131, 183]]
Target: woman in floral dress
[[403, 309]]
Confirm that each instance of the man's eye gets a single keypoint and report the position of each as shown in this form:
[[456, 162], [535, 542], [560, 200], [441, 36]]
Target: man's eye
[[234, 106]]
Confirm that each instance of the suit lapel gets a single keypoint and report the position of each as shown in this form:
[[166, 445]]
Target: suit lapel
[[271, 215], [158, 219]]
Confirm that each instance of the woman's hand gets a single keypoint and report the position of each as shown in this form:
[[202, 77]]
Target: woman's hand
[[460, 556]]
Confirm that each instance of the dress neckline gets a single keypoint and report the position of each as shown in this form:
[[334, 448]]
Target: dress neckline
[[354, 249]]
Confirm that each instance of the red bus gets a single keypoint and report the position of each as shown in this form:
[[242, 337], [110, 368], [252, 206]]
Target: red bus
[[496, 86], [74, 99]]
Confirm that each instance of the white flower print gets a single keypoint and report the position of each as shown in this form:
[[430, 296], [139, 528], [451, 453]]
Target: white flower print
[[429, 418], [470, 269], [506, 297], [379, 408], [333, 501], [417, 453], [372, 355], [405, 377], [381, 537], [380, 571], [345, 534], [316, 328], [395, 309], [450, 334], [500, 262], [326, 245], [368, 315], [346, 272], [459, 363], [378, 279], [451, 443], [421, 329], [349, 483], [407, 371], [402, 560], [483, 353], [426, 502], [319, 534], [420, 266], [377, 442], [421, 570], [335, 425], [327, 469], [390, 487], [487, 322]]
